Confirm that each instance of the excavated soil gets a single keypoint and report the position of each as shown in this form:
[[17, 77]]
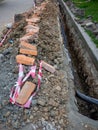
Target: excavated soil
[[48, 109]]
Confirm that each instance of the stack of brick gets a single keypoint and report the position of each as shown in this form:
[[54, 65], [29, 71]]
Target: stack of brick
[[32, 31], [28, 50]]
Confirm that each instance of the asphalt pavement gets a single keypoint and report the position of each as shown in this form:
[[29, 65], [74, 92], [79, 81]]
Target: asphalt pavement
[[8, 8]]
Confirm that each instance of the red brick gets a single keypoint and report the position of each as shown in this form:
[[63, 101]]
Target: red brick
[[22, 59], [48, 67], [28, 51], [29, 36], [32, 28], [33, 20], [25, 92], [27, 45]]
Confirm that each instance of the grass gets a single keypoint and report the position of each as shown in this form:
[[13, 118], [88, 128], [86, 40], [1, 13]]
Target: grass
[[91, 9], [93, 37]]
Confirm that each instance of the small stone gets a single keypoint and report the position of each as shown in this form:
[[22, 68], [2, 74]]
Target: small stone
[[7, 114], [31, 117], [61, 121], [41, 102], [15, 117], [0, 106], [16, 124], [36, 108], [1, 58], [53, 103], [28, 121], [26, 111], [7, 51], [4, 102], [9, 25], [89, 24], [9, 122], [24, 117], [95, 32], [34, 102], [52, 113], [46, 109], [23, 124], [58, 88], [85, 126]]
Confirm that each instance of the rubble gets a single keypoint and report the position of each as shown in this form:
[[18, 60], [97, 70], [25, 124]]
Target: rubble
[[33, 20], [28, 51], [49, 104], [25, 92], [22, 59], [48, 67], [27, 46]]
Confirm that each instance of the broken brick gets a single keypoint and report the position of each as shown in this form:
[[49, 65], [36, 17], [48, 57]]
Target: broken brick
[[25, 38], [22, 59], [48, 67], [25, 92], [33, 20], [27, 45], [29, 36], [32, 28], [37, 13], [28, 51]]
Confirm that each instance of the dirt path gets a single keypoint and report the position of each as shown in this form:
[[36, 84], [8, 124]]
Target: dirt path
[[51, 99]]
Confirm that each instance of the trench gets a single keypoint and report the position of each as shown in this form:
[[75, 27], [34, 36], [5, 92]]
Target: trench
[[85, 108]]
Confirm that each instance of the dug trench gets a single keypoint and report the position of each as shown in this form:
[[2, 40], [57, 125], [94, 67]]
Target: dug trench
[[84, 71]]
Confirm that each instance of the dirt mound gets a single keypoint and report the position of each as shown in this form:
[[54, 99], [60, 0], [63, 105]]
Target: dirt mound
[[48, 108]]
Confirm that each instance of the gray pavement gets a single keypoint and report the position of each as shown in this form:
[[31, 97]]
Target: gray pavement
[[8, 8]]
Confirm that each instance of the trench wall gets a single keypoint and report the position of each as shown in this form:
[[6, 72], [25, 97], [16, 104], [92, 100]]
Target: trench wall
[[83, 48]]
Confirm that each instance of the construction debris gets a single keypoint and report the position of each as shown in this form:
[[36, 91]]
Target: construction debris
[[48, 100], [28, 51], [27, 45], [22, 59], [25, 92], [48, 67], [33, 20]]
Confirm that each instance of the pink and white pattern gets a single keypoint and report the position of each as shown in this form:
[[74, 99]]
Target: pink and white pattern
[[17, 85], [27, 105], [15, 92], [5, 37]]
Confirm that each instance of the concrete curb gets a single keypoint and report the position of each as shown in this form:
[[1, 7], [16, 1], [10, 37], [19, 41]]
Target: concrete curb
[[88, 43]]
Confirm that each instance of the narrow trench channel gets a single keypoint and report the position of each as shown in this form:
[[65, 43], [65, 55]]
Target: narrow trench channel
[[85, 108]]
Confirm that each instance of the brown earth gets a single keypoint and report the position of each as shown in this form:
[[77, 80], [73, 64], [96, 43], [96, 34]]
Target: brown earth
[[48, 110]]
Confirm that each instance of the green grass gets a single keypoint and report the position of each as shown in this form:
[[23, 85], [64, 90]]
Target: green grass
[[91, 8], [93, 37]]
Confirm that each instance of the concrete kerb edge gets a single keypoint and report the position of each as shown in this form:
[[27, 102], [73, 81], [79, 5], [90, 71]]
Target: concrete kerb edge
[[88, 43]]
